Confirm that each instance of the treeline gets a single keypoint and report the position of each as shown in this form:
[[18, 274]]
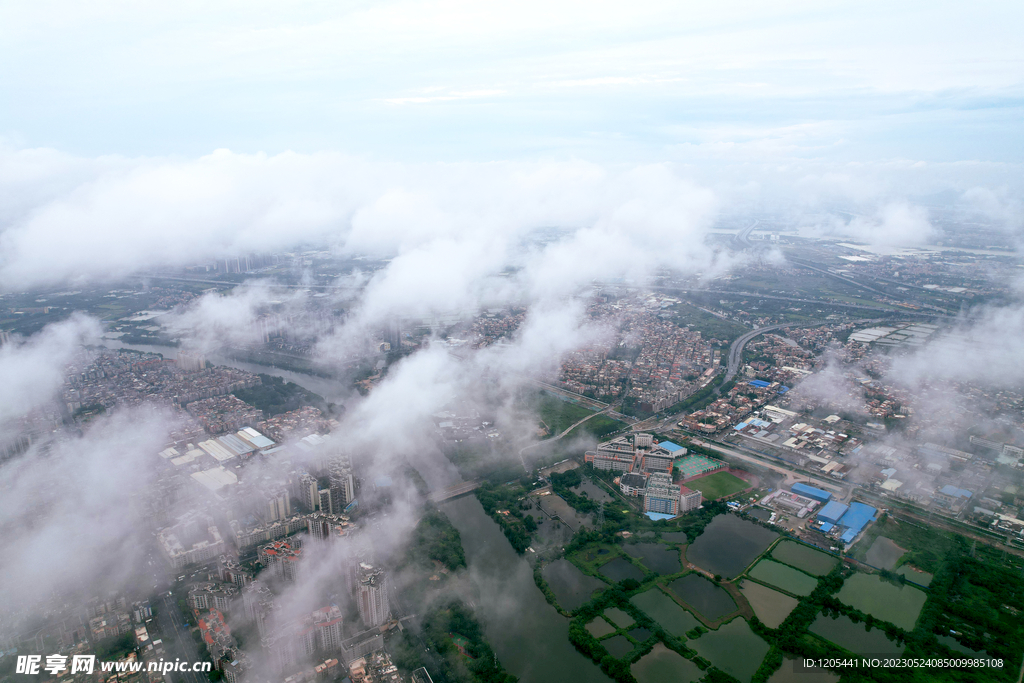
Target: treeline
[[503, 503], [436, 539]]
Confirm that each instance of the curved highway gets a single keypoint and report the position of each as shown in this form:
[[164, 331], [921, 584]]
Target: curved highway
[[736, 350]]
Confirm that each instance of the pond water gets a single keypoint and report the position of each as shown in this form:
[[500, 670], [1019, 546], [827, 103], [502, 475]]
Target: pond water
[[599, 627], [618, 647], [620, 569], [763, 514], [853, 637], [555, 507], [915, 575], [550, 533], [788, 579], [640, 634], [618, 617], [572, 588], [804, 557], [788, 673], [728, 545], [593, 491], [900, 605], [662, 664], [657, 557], [884, 553], [529, 636], [674, 536], [733, 648], [957, 646], [770, 606], [712, 601], [665, 611]]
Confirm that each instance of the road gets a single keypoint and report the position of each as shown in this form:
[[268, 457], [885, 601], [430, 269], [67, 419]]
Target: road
[[848, 280], [564, 432], [455, 490], [775, 297], [580, 399], [171, 622], [743, 236], [736, 350]]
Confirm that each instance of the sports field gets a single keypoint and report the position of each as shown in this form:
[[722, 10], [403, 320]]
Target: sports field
[[692, 465], [719, 484]]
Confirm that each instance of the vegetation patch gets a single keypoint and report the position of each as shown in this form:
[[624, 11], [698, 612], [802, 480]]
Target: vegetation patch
[[470, 660], [275, 396], [505, 504], [436, 539]]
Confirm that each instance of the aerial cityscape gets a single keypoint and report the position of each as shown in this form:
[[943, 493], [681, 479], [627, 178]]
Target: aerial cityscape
[[442, 342]]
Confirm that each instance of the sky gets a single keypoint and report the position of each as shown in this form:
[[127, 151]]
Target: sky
[[733, 83], [134, 133]]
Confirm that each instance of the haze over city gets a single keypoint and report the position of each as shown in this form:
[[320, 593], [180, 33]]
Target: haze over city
[[469, 342]]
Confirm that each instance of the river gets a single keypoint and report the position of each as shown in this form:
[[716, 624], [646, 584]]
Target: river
[[331, 390], [529, 636]]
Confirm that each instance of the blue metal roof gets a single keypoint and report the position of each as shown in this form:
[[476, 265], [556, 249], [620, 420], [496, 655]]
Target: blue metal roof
[[811, 492], [740, 426], [848, 536], [951, 490], [670, 446], [783, 389], [826, 527], [758, 383], [833, 511], [659, 515], [857, 517]]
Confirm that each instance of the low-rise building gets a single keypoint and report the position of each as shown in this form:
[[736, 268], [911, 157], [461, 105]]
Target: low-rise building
[[633, 484]]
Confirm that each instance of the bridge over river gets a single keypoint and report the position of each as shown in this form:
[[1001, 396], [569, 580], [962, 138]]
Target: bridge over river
[[455, 490]]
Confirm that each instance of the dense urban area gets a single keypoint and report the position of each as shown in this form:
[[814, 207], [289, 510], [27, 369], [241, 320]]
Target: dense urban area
[[733, 479]]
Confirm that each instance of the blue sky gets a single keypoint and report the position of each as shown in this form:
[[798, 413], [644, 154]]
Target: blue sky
[[139, 134], [739, 82]]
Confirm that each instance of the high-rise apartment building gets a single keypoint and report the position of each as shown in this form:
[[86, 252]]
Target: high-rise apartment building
[[309, 492], [372, 595], [279, 505], [342, 483]]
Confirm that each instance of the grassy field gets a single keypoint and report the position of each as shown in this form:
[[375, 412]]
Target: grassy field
[[717, 485], [559, 415], [708, 325], [599, 426], [926, 546]]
